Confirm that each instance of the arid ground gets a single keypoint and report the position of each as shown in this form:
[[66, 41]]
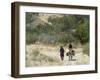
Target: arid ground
[[47, 55]]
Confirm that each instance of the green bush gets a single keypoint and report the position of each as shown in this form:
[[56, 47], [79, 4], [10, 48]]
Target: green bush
[[61, 30], [31, 38]]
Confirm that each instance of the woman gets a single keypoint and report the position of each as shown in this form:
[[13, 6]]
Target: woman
[[62, 53]]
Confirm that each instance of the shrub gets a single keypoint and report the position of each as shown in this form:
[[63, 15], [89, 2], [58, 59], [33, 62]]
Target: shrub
[[31, 38]]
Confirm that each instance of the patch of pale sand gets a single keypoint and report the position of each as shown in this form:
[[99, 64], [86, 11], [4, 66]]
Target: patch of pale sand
[[53, 52]]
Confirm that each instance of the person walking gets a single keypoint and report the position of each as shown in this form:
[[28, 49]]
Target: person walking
[[71, 52], [62, 53]]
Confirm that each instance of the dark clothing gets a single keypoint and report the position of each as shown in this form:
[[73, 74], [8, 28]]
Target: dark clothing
[[61, 53], [61, 50], [70, 45]]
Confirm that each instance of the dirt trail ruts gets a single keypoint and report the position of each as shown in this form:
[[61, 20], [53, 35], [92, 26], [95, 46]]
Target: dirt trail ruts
[[53, 52]]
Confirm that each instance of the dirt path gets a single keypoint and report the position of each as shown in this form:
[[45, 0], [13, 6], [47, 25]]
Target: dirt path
[[53, 53]]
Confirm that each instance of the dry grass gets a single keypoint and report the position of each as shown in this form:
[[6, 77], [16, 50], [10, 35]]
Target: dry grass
[[43, 55]]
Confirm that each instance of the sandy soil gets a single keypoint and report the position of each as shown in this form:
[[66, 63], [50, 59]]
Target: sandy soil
[[53, 53]]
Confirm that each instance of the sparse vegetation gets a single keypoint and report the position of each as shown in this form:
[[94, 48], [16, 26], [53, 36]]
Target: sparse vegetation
[[86, 49], [40, 58], [37, 56], [55, 30], [41, 55]]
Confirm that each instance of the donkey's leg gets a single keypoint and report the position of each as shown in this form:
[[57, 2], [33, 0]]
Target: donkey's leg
[[69, 57]]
